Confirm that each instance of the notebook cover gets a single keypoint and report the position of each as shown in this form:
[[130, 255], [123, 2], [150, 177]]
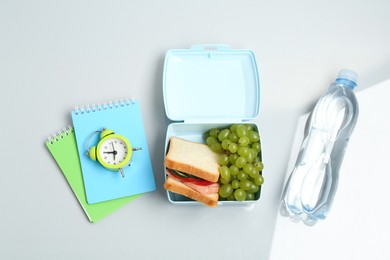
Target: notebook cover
[[124, 118], [63, 148]]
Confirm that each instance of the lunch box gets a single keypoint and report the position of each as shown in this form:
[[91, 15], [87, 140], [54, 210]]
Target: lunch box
[[205, 87]]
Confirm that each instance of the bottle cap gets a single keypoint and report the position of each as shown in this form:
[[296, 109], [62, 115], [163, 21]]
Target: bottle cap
[[348, 77]]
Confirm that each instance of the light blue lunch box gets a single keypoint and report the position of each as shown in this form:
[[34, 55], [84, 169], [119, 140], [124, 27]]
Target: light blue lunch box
[[209, 86]]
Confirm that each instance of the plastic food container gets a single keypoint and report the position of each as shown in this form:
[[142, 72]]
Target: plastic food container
[[209, 86]]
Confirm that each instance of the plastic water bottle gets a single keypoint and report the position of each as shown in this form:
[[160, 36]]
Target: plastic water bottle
[[309, 192]]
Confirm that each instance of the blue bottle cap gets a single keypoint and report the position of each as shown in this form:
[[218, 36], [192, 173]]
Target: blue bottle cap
[[348, 77]]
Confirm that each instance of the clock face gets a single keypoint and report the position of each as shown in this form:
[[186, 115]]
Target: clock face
[[113, 151]]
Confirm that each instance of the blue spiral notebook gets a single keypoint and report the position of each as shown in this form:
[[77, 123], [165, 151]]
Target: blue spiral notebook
[[124, 118]]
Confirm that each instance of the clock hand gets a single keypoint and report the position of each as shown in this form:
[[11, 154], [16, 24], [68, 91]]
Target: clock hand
[[113, 148], [114, 151]]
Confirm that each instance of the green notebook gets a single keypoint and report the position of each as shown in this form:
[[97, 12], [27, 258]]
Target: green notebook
[[63, 148]]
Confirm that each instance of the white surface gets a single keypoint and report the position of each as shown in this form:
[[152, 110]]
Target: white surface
[[58, 54], [357, 226]]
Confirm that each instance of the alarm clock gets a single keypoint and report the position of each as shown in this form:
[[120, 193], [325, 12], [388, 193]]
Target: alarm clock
[[113, 151]]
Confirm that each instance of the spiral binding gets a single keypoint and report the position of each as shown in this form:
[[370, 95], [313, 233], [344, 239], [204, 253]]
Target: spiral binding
[[103, 106], [61, 134]]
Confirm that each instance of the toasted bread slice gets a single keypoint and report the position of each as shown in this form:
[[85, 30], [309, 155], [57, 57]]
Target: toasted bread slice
[[193, 158], [175, 186]]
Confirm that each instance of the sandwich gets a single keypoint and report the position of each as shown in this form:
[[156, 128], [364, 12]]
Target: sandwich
[[192, 171]]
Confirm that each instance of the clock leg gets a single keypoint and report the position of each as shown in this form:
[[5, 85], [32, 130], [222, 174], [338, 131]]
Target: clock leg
[[121, 170]]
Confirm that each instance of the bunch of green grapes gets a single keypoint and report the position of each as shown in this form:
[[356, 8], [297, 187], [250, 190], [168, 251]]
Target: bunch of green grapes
[[240, 164]]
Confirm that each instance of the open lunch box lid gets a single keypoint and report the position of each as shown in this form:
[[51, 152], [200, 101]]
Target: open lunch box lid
[[211, 82]]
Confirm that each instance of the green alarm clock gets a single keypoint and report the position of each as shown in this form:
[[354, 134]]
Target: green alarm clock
[[113, 151]]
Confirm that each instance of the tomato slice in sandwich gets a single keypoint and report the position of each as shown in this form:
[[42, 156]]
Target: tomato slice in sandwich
[[189, 178]]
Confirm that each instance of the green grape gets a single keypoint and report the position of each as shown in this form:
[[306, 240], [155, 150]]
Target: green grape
[[232, 158], [233, 170], [214, 132], [235, 184], [245, 184], [223, 160], [250, 196], [251, 155], [253, 173], [233, 147], [225, 190], [225, 144], [259, 180], [223, 134], [257, 159], [216, 147], [241, 175], [242, 131], [248, 168], [224, 172], [243, 141], [253, 188], [211, 140], [233, 137], [233, 128], [239, 195], [253, 136], [249, 127], [256, 147], [259, 166], [243, 151], [224, 180], [240, 162], [231, 197]]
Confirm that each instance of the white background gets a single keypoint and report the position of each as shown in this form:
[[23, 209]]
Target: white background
[[58, 54]]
